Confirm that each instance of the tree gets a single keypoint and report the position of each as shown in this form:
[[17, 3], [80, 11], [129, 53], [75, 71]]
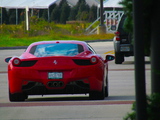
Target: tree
[[83, 11], [128, 8], [21, 15], [92, 13], [60, 14], [4, 16], [79, 3], [45, 15], [76, 10], [64, 13], [51, 7], [73, 13], [55, 15], [61, 4], [12, 16]]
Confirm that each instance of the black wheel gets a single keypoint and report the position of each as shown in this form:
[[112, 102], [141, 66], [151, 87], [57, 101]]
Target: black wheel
[[119, 58], [17, 97], [106, 87], [96, 95], [106, 91]]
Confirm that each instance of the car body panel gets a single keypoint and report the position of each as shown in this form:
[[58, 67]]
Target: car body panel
[[56, 74]]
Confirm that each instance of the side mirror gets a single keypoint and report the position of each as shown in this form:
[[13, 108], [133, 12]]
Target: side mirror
[[109, 57], [7, 59]]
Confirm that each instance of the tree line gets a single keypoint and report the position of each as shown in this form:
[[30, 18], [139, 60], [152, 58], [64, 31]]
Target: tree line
[[57, 13]]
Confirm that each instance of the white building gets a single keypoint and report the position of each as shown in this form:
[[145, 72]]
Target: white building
[[89, 2]]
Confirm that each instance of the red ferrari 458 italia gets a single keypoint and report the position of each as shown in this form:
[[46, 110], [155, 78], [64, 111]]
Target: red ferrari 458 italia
[[58, 67]]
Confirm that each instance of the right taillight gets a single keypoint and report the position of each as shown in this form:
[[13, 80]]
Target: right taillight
[[16, 61], [117, 35], [117, 38]]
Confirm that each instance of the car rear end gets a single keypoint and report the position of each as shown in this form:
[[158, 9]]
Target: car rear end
[[55, 75], [122, 43]]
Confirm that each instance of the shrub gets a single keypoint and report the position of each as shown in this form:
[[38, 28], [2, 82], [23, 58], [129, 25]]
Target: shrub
[[153, 108]]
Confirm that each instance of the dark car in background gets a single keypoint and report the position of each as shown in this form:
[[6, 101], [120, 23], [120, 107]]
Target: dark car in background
[[123, 45]]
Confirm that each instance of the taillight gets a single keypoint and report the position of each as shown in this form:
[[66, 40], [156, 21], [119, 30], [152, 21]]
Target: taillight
[[16, 61], [117, 38], [94, 60], [117, 35]]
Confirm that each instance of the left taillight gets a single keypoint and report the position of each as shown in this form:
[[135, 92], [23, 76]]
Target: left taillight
[[93, 60], [16, 61]]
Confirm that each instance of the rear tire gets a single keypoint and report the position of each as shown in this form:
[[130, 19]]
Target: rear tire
[[106, 87], [96, 95], [17, 97], [106, 91], [119, 58]]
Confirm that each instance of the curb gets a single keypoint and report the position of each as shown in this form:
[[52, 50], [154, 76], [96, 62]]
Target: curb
[[33, 104], [16, 47], [98, 41]]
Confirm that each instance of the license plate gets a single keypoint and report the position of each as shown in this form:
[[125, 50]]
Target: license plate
[[55, 75], [126, 48]]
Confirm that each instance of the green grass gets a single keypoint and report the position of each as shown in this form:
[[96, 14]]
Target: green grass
[[16, 35], [7, 41]]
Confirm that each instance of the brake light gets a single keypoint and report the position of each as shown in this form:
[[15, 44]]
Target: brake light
[[94, 60], [117, 38], [117, 35], [16, 61]]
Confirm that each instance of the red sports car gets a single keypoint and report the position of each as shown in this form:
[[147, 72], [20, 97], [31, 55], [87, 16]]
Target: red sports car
[[58, 67]]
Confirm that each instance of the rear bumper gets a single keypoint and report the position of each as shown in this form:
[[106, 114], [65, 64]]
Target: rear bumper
[[122, 48], [70, 88], [33, 81], [126, 48]]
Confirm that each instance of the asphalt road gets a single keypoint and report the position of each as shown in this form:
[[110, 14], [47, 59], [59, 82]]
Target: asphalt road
[[75, 107]]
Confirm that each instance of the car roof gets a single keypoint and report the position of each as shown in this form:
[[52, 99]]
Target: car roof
[[59, 41]]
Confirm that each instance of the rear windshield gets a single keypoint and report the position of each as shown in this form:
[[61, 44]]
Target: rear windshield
[[58, 49]]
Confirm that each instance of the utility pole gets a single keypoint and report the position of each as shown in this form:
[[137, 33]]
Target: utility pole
[[101, 13], [155, 54], [102, 27], [27, 18], [141, 103]]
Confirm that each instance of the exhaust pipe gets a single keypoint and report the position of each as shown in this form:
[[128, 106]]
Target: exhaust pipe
[[55, 84]]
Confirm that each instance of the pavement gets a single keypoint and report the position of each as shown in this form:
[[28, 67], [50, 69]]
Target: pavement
[[107, 109], [68, 112]]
